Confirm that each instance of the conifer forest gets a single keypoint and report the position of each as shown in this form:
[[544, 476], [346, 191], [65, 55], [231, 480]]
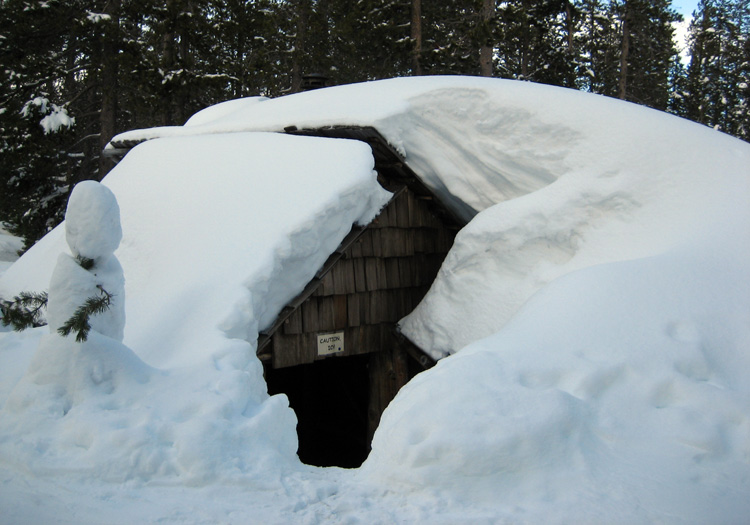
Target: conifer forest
[[73, 73]]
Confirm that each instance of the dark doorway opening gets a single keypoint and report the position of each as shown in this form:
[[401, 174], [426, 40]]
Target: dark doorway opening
[[330, 398]]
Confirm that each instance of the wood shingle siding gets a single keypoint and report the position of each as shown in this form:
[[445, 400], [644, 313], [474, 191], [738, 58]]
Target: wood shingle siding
[[375, 281]]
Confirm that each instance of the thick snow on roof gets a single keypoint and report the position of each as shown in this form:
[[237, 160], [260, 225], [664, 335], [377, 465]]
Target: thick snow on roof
[[474, 141], [603, 289], [220, 232]]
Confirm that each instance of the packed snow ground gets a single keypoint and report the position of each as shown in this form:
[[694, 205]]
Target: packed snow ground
[[602, 289]]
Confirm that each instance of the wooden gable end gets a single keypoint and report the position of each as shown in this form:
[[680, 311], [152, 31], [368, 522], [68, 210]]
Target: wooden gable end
[[378, 278]]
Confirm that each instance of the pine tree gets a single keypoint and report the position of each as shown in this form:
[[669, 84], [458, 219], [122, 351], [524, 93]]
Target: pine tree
[[598, 40], [647, 50], [718, 79], [60, 100], [536, 41], [37, 123]]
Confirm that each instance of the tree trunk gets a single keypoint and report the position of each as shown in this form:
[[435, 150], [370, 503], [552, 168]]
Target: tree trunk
[[416, 36], [569, 26], [525, 40], [108, 114], [623, 86], [303, 17], [486, 48], [168, 59], [183, 95]]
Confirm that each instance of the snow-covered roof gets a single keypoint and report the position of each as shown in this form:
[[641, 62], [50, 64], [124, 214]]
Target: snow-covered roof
[[474, 141], [585, 160], [601, 286], [220, 231]]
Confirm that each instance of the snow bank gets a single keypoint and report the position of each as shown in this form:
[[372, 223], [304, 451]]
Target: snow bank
[[219, 233], [644, 183], [618, 394]]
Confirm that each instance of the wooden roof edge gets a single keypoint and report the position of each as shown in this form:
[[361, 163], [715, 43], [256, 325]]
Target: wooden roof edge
[[388, 162], [116, 152], [264, 337], [414, 350]]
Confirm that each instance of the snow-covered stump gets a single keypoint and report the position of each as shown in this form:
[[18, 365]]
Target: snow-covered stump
[[67, 371], [93, 233]]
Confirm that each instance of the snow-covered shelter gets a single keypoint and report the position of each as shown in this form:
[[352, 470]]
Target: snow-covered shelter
[[596, 302], [335, 349]]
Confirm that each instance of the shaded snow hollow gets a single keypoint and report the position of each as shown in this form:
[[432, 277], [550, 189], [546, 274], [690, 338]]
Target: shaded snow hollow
[[602, 289]]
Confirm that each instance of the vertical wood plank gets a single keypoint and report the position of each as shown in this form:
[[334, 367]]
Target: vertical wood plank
[[371, 274], [353, 311], [415, 217], [377, 243], [343, 277], [339, 312], [388, 373], [327, 286], [402, 211], [326, 316], [310, 315], [293, 324], [366, 243], [355, 250], [360, 283], [392, 275]]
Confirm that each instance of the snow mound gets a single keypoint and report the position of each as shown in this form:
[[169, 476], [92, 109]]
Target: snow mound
[[634, 183], [95, 408], [218, 234], [92, 221], [617, 394]]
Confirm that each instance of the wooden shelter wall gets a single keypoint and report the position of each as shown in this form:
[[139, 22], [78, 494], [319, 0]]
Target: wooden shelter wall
[[379, 279]]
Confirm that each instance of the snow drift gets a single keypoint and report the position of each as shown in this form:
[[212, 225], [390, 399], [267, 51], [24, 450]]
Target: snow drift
[[218, 233], [601, 288]]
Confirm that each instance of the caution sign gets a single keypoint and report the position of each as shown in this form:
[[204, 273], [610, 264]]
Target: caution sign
[[330, 343]]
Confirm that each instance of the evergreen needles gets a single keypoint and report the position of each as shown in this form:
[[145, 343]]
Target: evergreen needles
[[79, 322]]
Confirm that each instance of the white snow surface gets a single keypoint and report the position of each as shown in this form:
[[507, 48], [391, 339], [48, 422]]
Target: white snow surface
[[475, 141], [601, 296], [92, 233], [52, 121], [92, 221]]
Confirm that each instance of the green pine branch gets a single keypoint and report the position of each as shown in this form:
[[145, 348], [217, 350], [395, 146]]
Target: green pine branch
[[24, 311], [79, 322]]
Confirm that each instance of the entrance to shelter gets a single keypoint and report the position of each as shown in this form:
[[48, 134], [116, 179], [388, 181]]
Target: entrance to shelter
[[331, 400]]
